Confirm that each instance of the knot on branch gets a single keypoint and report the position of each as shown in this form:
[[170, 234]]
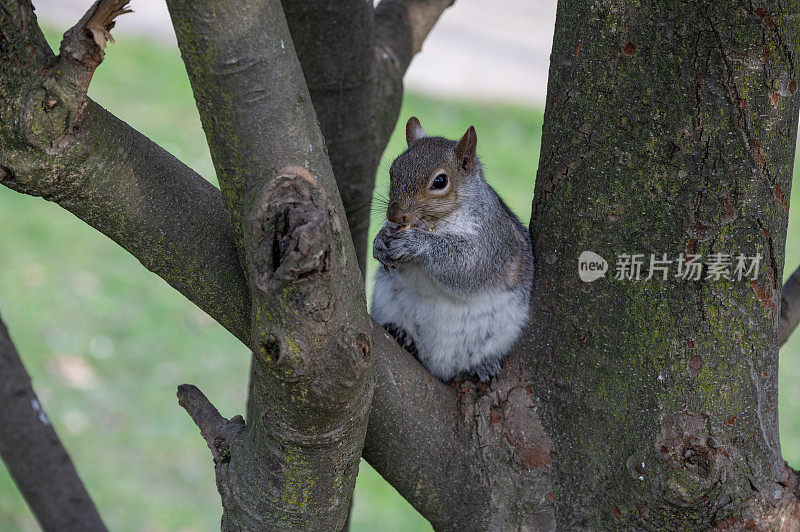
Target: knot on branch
[[697, 463], [46, 119], [293, 229], [332, 366]]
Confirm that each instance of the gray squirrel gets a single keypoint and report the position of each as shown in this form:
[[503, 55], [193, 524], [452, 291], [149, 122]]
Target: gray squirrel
[[457, 270]]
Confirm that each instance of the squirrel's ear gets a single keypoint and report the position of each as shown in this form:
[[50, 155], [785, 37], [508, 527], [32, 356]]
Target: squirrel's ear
[[414, 130], [465, 150]]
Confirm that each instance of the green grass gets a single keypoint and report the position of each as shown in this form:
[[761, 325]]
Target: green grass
[[107, 342]]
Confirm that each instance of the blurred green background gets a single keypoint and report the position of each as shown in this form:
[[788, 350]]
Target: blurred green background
[[107, 342]]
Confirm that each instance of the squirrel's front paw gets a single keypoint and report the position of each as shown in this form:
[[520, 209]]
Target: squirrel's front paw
[[380, 249], [396, 245]]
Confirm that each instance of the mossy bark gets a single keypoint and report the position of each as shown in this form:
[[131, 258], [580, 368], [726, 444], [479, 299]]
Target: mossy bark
[[670, 127]]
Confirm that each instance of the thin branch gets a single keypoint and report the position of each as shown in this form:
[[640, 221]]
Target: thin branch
[[34, 455], [790, 307], [403, 25]]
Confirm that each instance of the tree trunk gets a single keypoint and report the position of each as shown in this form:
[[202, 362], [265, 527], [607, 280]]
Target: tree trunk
[[669, 128]]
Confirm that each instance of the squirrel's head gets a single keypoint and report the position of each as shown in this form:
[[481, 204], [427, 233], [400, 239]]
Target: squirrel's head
[[431, 176]]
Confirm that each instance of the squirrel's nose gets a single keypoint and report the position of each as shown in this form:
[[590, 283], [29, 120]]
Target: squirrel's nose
[[394, 215]]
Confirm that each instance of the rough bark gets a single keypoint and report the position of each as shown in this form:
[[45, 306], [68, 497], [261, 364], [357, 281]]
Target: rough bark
[[466, 457], [669, 128], [311, 384], [33, 454]]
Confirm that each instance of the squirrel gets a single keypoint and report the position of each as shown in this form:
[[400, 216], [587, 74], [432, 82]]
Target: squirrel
[[458, 266]]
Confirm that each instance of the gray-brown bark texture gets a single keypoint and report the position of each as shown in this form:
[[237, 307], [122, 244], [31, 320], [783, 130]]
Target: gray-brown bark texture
[[670, 128]]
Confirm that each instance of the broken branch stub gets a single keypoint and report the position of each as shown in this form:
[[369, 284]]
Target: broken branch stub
[[218, 431], [54, 101]]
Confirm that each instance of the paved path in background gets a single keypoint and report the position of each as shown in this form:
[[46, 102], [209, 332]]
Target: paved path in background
[[481, 49]]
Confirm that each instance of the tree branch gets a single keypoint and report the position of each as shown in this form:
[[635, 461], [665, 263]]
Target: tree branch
[[402, 26], [35, 457], [311, 387], [215, 429], [790, 307], [466, 457], [113, 178], [83, 48]]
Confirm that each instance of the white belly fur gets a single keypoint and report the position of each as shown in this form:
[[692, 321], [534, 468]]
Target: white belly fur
[[452, 334]]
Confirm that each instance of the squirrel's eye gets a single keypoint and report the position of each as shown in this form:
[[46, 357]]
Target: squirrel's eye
[[439, 182]]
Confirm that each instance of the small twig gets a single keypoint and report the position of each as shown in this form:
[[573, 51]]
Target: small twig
[[214, 428]]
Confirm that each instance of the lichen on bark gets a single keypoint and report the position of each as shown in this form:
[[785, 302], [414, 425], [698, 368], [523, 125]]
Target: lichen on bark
[[669, 128]]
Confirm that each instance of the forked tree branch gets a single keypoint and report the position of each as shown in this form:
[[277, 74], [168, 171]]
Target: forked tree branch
[[112, 177], [35, 457]]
